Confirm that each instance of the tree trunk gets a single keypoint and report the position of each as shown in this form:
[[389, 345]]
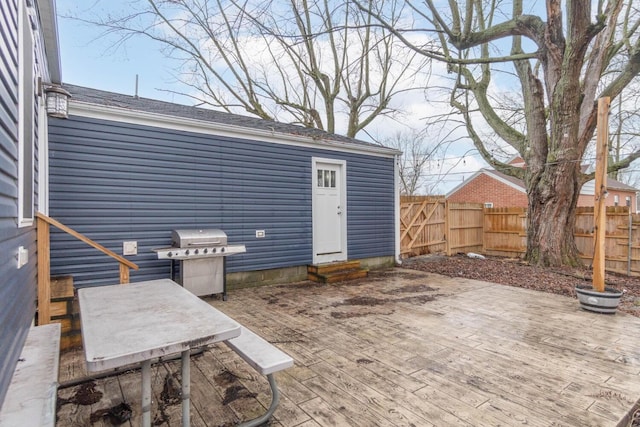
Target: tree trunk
[[551, 217]]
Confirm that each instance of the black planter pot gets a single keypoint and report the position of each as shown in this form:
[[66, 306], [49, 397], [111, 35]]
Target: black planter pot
[[599, 302]]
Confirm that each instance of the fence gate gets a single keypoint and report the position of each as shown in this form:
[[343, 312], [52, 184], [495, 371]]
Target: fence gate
[[422, 225]]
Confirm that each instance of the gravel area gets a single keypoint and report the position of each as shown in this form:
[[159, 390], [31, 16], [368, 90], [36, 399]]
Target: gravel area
[[514, 272]]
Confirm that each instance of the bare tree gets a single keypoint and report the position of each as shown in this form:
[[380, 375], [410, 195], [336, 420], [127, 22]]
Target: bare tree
[[412, 165], [562, 60], [316, 63]]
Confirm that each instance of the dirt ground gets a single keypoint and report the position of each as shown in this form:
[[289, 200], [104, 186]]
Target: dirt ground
[[514, 272]]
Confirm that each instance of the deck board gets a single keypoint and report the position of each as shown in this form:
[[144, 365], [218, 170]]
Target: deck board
[[400, 348]]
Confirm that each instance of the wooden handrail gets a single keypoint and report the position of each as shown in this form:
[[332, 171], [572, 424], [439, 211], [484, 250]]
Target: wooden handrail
[[87, 240], [44, 262]]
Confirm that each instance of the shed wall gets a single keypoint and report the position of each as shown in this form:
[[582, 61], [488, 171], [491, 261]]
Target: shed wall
[[116, 181], [17, 286]]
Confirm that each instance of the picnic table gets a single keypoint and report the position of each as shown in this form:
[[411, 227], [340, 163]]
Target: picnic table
[[135, 323]]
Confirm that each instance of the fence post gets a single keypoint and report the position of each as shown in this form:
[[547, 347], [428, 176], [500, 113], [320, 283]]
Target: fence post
[[447, 230], [484, 235], [630, 238]]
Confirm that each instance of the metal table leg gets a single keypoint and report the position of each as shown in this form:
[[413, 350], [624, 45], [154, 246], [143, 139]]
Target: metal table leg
[[186, 387], [275, 398], [146, 393], [224, 278]]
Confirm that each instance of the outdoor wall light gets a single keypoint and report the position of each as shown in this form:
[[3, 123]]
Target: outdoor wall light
[[57, 101]]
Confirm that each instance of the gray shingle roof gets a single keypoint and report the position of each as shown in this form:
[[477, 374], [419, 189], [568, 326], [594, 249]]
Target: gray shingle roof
[[104, 98]]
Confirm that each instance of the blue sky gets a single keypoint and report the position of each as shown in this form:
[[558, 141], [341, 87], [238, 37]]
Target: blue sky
[[88, 60]]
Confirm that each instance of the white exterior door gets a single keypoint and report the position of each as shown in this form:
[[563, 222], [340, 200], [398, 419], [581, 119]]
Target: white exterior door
[[329, 210]]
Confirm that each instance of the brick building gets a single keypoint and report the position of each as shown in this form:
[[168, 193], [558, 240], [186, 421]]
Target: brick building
[[498, 190]]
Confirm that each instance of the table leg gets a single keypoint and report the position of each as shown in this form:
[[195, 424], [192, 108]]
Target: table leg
[[146, 393], [186, 387]]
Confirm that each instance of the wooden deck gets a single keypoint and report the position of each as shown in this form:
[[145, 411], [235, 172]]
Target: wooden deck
[[399, 348]]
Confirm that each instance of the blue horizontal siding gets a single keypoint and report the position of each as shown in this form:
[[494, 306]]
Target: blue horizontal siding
[[115, 181], [17, 286], [371, 208]]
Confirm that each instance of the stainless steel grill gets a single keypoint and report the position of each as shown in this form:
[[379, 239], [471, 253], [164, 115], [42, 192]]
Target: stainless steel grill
[[201, 253]]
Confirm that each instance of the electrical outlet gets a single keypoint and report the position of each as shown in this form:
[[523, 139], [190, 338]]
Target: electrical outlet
[[260, 234], [130, 248]]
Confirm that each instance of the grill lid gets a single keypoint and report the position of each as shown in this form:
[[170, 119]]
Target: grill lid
[[198, 237]]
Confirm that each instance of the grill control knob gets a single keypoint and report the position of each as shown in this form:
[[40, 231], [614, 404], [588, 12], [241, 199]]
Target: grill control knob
[[187, 252], [196, 251], [221, 249], [213, 251], [170, 254], [206, 250]]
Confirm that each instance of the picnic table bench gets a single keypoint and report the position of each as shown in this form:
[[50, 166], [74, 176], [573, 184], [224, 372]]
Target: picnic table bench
[[265, 358]]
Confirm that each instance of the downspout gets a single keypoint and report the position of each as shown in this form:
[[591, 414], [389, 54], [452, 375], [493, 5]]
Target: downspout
[[396, 185]]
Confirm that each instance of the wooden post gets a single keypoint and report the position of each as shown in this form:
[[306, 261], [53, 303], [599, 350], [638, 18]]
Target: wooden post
[[447, 228], [629, 241], [124, 274], [600, 208], [44, 272], [484, 227]]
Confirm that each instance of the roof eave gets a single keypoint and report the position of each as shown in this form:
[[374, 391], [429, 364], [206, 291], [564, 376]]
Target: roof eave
[[87, 109], [49, 28]]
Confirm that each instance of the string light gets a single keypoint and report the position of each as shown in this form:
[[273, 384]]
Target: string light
[[464, 161]]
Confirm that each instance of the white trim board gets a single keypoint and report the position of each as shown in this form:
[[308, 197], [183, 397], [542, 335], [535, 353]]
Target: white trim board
[[43, 159], [27, 58], [49, 38], [166, 121]]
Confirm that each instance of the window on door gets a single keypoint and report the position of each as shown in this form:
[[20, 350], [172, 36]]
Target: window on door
[[326, 178]]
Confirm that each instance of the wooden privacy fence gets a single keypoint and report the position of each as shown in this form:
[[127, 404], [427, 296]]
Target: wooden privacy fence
[[504, 231], [430, 224], [622, 240]]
